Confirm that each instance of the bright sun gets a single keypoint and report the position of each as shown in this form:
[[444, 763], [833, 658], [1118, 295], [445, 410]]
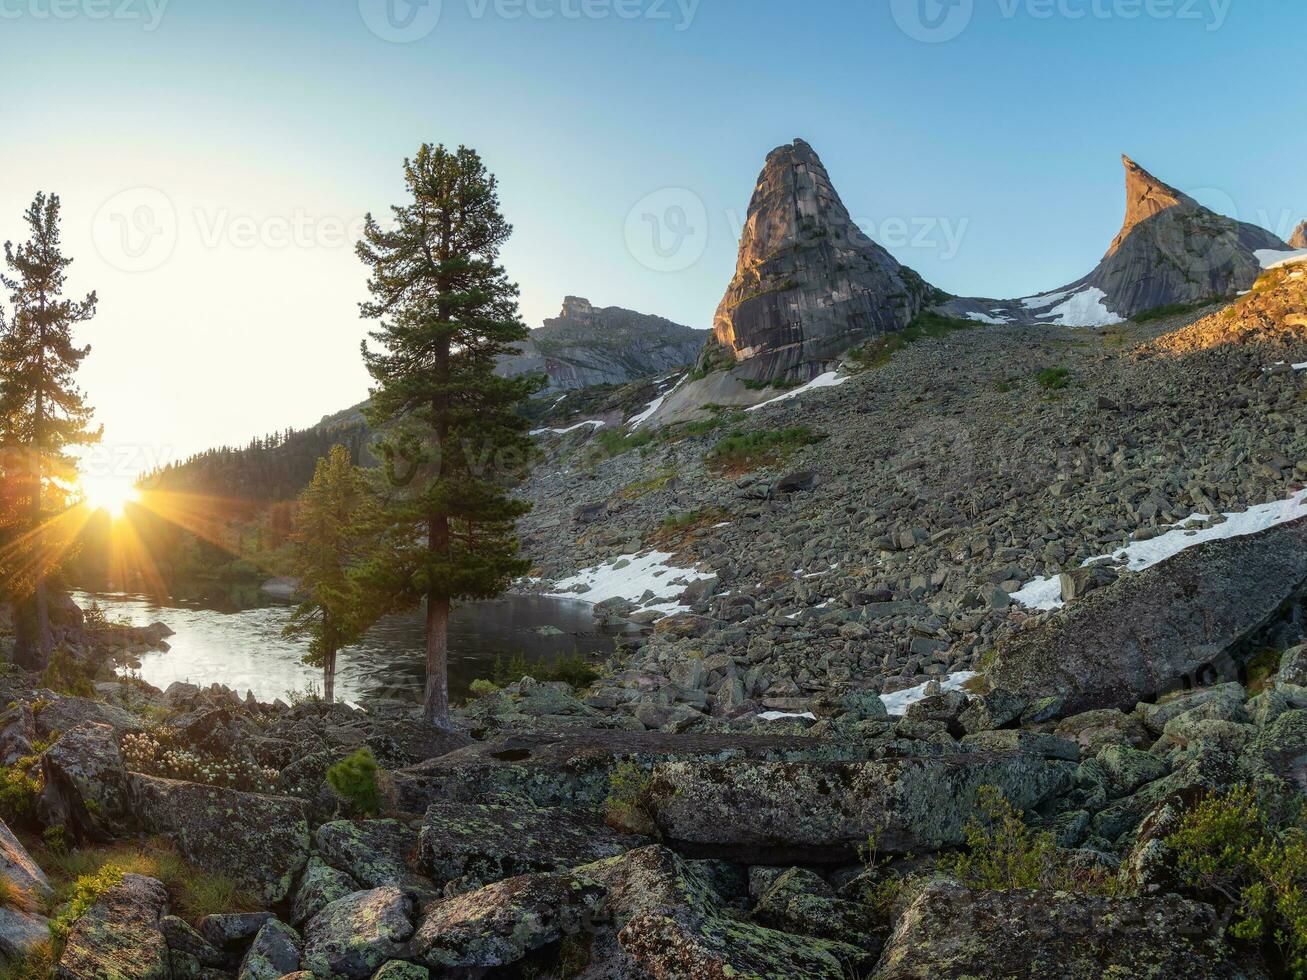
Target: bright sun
[[110, 494]]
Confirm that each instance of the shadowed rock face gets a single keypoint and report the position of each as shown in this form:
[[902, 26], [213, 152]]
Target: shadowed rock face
[[1168, 627], [1299, 239], [809, 283], [585, 345], [1170, 250]]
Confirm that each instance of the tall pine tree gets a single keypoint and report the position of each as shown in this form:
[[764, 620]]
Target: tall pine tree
[[41, 407], [333, 538], [455, 440]]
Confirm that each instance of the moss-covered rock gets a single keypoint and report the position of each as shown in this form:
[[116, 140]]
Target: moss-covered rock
[[260, 841], [275, 952], [1129, 769], [119, 936], [481, 844], [951, 931], [400, 970], [353, 936], [85, 783], [375, 853], [499, 924], [817, 812], [319, 886]]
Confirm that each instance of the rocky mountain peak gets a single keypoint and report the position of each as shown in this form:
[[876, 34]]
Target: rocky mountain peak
[[576, 307], [1145, 197], [1299, 239], [809, 283]]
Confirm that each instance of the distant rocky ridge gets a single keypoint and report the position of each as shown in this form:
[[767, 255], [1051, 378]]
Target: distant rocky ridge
[[586, 345], [809, 284], [1171, 250]]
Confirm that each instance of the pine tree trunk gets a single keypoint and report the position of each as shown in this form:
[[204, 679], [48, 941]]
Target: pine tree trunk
[[436, 707], [329, 677]]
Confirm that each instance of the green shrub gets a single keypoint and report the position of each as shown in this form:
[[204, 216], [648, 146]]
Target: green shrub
[[67, 675], [20, 787], [1003, 854], [481, 687], [1249, 855], [881, 351], [1054, 378], [742, 451], [626, 807], [573, 669], [615, 442], [86, 891], [355, 780]]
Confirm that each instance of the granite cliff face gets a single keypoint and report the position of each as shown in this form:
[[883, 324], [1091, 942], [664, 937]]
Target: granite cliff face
[[1299, 239], [1170, 250], [809, 283], [586, 345]]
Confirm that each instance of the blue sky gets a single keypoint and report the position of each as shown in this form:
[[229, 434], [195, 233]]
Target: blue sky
[[983, 152]]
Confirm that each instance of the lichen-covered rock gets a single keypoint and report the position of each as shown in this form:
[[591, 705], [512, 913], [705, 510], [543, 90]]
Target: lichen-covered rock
[[63, 714], [23, 874], [375, 853], [401, 970], [800, 901], [260, 841], [497, 925], [17, 732], [819, 812], [274, 953], [1129, 769], [1280, 751], [1092, 730], [1018, 740], [951, 931], [189, 953], [481, 843], [668, 922], [353, 936], [1293, 666], [119, 936], [85, 783], [1156, 629], [228, 930], [319, 886], [1157, 716], [21, 932]]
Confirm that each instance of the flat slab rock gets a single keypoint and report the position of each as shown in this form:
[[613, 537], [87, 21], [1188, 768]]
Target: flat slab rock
[[768, 813], [573, 769], [1157, 630], [951, 931], [488, 843], [261, 841]]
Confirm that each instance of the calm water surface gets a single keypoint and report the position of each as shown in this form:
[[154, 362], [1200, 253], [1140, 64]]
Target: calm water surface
[[235, 639]]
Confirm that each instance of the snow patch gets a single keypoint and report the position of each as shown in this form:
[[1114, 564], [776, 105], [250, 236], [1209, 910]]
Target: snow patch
[[1046, 593], [632, 577], [828, 380], [1272, 259], [596, 423], [1082, 309], [897, 703], [1043, 300], [649, 410], [786, 715], [984, 318]]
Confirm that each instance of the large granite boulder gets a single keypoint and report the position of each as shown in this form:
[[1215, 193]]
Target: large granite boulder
[[85, 783], [23, 874], [260, 841], [824, 812], [497, 925], [63, 714], [355, 935], [119, 936], [482, 843], [809, 283], [275, 952], [319, 886], [951, 931], [1170, 626], [375, 853], [21, 932]]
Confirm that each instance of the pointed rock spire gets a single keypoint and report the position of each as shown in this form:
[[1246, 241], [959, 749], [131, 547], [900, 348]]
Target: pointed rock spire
[[809, 282], [1299, 239], [1145, 197]]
